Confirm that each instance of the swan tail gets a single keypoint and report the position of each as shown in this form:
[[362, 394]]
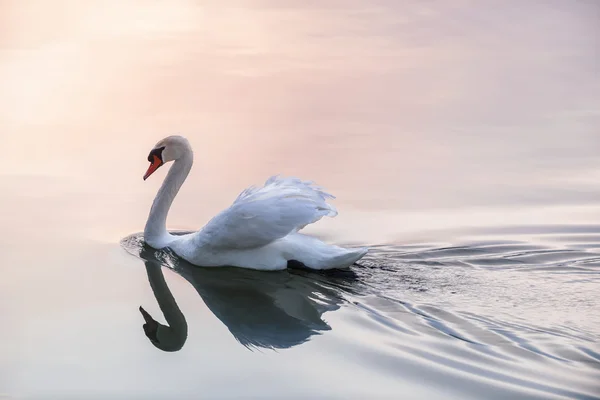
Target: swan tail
[[349, 258], [315, 254]]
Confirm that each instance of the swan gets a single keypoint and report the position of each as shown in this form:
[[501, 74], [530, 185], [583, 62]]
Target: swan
[[258, 231]]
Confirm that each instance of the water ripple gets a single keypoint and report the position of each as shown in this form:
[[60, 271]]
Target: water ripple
[[522, 312], [482, 318]]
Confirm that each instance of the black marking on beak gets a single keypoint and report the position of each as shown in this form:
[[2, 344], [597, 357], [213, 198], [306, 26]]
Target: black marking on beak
[[157, 153]]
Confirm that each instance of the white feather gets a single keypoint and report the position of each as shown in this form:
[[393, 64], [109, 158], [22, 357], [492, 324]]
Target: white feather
[[261, 215]]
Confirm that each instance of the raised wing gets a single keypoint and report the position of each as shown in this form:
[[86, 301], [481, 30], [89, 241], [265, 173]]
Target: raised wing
[[261, 215]]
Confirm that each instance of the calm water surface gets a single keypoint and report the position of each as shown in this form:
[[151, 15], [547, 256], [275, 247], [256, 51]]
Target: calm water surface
[[460, 138]]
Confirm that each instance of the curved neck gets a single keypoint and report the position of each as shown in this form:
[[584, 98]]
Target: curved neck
[[173, 336], [155, 232]]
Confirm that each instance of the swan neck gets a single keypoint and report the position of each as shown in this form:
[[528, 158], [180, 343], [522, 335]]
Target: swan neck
[[170, 337], [173, 315], [155, 232]]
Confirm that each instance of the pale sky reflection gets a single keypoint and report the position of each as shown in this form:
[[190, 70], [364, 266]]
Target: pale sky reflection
[[390, 106]]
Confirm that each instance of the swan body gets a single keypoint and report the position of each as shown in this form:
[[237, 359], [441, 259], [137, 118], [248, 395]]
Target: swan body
[[258, 231]]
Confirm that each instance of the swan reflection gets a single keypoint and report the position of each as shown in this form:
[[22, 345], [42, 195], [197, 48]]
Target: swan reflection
[[275, 310]]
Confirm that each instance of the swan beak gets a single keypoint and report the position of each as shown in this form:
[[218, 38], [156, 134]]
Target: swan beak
[[146, 316], [154, 165]]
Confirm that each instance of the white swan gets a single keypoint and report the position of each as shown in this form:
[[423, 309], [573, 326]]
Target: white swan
[[258, 231]]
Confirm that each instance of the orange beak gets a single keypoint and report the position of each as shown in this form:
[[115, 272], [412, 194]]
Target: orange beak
[[154, 165]]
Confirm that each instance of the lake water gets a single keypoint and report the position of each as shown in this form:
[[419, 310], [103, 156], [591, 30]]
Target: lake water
[[461, 140]]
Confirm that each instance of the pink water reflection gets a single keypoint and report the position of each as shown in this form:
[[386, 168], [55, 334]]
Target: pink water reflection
[[391, 107]]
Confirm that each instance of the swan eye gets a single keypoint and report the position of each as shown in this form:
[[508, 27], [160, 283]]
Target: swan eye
[[157, 153]]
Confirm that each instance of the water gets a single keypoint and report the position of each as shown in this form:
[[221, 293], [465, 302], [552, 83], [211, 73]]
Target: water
[[460, 139]]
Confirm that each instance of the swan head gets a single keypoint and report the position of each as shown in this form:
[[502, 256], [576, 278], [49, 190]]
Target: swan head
[[168, 149], [162, 337]]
